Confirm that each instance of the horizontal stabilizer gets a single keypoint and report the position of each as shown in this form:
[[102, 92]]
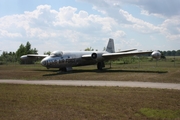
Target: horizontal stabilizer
[[32, 55]]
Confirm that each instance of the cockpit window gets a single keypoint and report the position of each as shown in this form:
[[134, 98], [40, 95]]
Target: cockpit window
[[57, 53]]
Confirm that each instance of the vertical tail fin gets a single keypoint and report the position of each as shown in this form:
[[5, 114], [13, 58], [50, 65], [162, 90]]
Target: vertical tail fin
[[110, 46]]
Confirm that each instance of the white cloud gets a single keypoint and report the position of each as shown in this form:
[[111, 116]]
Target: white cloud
[[139, 24], [166, 9], [118, 34], [162, 7], [60, 27], [4, 33], [71, 29], [171, 27]]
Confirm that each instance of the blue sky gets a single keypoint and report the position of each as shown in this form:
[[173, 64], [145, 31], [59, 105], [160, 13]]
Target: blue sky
[[78, 24], [10, 7]]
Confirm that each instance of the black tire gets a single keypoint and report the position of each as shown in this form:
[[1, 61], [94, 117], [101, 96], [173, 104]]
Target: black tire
[[63, 69], [100, 65]]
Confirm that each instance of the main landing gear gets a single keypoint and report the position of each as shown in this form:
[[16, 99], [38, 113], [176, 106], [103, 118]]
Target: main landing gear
[[100, 65], [65, 69]]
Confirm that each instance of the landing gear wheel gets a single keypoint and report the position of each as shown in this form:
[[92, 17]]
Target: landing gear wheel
[[63, 69], [100, 65]]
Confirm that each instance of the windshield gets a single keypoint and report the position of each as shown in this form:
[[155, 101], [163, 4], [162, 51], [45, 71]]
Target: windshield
[[57, 53]]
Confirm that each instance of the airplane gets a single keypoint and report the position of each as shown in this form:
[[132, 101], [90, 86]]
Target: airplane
[[65, 60]]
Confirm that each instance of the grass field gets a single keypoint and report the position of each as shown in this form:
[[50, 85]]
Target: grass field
[[163, 71], [27, 102]]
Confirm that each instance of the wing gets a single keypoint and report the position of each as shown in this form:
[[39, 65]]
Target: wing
[[108, 56], [127, 50]]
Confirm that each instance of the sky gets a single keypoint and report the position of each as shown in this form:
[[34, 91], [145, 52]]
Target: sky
[[74, 25]]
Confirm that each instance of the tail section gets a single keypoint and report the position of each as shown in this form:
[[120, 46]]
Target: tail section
[[110, 46]]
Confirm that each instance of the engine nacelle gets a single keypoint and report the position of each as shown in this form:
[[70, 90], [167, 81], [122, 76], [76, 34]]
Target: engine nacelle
[[156, 55], [97, 56]]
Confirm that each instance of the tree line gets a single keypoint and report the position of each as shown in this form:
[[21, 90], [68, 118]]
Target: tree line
[[171, 53], [15, 56], [26, 49]]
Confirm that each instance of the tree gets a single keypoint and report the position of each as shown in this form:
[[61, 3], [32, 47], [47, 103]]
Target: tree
[[164, 53], [28, 49], [168, 53], [47, 53], [173, 53], [23, 50], [178, 52], [89, 49], [7, 57]]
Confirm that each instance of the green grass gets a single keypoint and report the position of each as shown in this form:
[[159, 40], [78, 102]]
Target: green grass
[[64, 102], [164, 71], [160, 114], [27, 102]]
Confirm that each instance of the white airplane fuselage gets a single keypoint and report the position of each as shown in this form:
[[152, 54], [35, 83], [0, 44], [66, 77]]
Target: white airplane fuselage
[[70, 59]]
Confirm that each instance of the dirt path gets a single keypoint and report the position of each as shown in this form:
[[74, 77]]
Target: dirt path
[[95, 83]]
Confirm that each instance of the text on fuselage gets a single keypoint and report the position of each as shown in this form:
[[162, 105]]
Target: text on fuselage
[[60, 61]]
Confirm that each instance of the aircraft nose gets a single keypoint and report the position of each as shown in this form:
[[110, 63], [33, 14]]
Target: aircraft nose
[[43, 62]]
